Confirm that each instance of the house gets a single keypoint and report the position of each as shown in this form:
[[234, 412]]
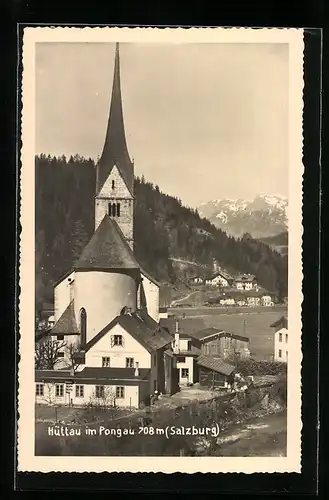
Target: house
[[253, 300], [280, 339], [107, 307], [184, 349], [130, 353], [216, 342], [185, 346], [227, 300], [266, 301], [215, 373], [219, 279], [197, 280], [245, 282], [163, 312]]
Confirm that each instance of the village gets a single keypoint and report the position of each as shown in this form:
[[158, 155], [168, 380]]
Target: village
[[109, 340]]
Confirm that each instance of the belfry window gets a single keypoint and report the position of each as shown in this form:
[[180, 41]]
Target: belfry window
[[83, 326], [114, 209]]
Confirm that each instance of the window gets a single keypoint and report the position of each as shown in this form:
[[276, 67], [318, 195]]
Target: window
[[286, 338], [280, 353], [280, 337], [99, 391], [286, 355], [59, 390], [184, 372], [189, 345], [116, 340], [180, 359], [120, 392], [60, 337], [129, 362], [106, 361], [39, 390], [114, 209], [79, 391], [113, 184], [83, 326], [60, 354]]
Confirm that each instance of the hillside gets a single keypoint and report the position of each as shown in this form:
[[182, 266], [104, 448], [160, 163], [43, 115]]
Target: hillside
[[278, 242], [263, 216], [163, 229]]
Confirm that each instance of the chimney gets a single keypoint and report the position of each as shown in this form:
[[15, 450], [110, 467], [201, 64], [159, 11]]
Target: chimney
[[136, 369], [176, 343]]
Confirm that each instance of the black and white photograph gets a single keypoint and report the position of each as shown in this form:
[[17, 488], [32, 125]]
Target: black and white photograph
[[161, 270]]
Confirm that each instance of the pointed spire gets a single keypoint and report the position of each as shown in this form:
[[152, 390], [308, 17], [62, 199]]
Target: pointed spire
[[115, 149]]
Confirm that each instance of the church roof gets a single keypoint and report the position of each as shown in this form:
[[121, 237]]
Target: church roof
[[66, 325], [115, 151], [107, 249]]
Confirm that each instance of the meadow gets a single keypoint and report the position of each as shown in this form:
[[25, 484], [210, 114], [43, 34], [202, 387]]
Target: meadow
[[252, 323]]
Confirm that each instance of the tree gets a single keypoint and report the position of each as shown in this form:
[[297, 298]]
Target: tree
[[73, 358], [79, 239], [47, 353]]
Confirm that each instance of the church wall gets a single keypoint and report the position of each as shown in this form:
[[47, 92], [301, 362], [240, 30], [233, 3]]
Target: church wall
[[118, 354], [152, 297], [63, 295], [103, 295]]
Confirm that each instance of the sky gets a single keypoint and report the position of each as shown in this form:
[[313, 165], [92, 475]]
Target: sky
[[203, 121]]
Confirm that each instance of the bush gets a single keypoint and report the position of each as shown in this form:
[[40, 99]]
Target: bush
[[259, 368]]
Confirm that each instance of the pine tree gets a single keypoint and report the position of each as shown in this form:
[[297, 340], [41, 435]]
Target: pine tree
[[79, 239]]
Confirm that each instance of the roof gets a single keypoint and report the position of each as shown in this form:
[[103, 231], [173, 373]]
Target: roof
[[186, 325], [115, 151], [107, 249], [245, 277], [67, 324], [149, 277], [215, 364], [141, 327], [98, 374], [68, 272], [209, 332], [283, 321]]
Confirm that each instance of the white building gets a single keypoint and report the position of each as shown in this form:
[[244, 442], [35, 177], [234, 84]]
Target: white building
[[107, 305], [281, 339], [218, 279], [246, 282], [266, 300]]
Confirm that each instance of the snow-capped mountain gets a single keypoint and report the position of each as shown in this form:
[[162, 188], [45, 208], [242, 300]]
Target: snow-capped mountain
[[261, 217]]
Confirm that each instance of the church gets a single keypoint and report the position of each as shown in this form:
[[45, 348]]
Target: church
[[107, 308]]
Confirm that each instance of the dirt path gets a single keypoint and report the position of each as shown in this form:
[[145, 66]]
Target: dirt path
[[183, 299], [264, 436]]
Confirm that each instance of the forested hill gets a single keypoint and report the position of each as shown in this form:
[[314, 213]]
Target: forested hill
[[163, 228]]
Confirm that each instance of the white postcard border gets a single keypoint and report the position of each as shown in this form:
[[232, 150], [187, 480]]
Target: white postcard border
[[27, 461]]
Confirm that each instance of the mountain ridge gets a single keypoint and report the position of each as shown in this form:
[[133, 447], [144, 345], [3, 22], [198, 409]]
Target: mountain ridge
[[262, 216]]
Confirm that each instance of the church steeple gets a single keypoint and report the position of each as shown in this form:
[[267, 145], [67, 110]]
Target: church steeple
[[115, 170], [115, 151]]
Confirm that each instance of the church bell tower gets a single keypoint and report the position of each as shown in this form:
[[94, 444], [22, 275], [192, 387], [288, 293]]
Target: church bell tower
[[115, 170]]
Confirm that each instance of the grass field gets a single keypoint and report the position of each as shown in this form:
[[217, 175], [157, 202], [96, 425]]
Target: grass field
[[253, 323]]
